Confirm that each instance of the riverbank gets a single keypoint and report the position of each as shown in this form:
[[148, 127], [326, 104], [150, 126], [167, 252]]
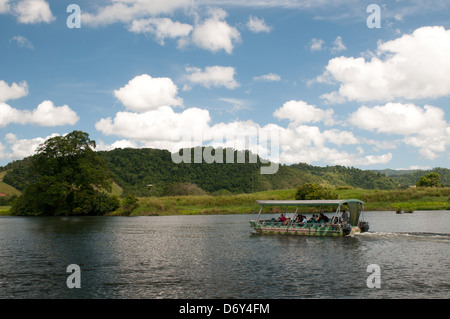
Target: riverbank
[[376, 200], [407, 200]]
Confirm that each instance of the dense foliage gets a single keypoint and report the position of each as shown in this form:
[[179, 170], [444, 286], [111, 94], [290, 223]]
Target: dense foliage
[[430, 180], [152, 172], [410, 177], [65, 178], [343, 176], [312, 191]]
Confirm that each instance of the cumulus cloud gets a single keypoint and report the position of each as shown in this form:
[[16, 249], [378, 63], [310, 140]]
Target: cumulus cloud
[[141, 16], [309, 144], [161, 28], [299, 141], [13, 91], [46, 114], [144, 93], [413, 66], [302, 112], [125, 11], [424, 128], [101, 146], [215, 34], [212, 76], [33, 11], [162, 125], [257, 25], [21, 148]]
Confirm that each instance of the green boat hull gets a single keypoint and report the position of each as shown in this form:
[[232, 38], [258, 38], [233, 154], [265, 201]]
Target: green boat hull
[[319, 230]]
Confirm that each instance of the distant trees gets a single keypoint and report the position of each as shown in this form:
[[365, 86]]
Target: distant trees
[[67, 177], [430, 180], [312, 191]]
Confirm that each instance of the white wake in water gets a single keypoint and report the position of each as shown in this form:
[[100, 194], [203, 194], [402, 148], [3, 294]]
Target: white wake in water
[[407, 235]]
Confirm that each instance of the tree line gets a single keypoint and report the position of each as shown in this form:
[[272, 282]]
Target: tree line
[[67, 177]]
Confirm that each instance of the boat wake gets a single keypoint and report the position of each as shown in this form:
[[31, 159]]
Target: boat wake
[[421, 236]]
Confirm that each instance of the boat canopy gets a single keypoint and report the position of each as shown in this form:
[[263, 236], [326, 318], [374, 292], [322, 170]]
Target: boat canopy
[[328, 202], [355, 206]]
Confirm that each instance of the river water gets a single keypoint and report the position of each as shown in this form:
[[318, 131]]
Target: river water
[[198, 257]]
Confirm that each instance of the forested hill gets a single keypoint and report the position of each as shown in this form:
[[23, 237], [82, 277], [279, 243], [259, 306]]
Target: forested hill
[[145, 172], [410, 177]]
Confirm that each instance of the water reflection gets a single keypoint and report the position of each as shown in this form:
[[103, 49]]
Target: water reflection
[[220, 257]]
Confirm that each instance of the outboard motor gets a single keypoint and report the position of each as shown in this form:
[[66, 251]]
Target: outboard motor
[[347, 229], [364, 227]]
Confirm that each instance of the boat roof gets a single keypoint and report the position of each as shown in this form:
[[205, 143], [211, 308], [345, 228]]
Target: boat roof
[[322, 202]]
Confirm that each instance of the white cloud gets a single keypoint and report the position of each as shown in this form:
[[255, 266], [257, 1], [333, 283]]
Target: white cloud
[[125, 11], [424, 128], [215, 34], [212, 76], [302, 112], [338, 45], [21, 148], [269, 77], [300, 141], [317, 45], [413, 66], [161, 28], [142, 16], [46, 114], [4, 6], [397, 118], [162, 125], [22, 42], [101, 146], [33, 11], [257, 25], [144, 93], [308, 144], [13, 91]]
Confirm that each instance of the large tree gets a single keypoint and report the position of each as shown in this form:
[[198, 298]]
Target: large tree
[[311, 191], [67, 177], [430, 180]]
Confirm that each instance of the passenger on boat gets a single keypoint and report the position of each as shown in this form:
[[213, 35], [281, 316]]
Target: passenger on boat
[[281, 219], [304, 220]]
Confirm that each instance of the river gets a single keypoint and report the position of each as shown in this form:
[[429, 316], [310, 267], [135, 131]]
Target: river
[[218, 256]]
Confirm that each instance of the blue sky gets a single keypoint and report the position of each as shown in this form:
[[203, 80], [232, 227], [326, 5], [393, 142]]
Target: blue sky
[[311, 76]]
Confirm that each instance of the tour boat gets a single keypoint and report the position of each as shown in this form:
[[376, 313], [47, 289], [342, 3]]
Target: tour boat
[[346, 220]]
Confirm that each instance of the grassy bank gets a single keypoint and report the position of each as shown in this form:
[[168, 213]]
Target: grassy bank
[[403, 200], [409, 199]]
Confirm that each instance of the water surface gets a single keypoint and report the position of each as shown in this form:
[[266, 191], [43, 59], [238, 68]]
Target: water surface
[[219, 256]]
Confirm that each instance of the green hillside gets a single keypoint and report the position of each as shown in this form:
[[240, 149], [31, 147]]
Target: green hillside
[[410, 177], [151, 172], [5, 188]]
